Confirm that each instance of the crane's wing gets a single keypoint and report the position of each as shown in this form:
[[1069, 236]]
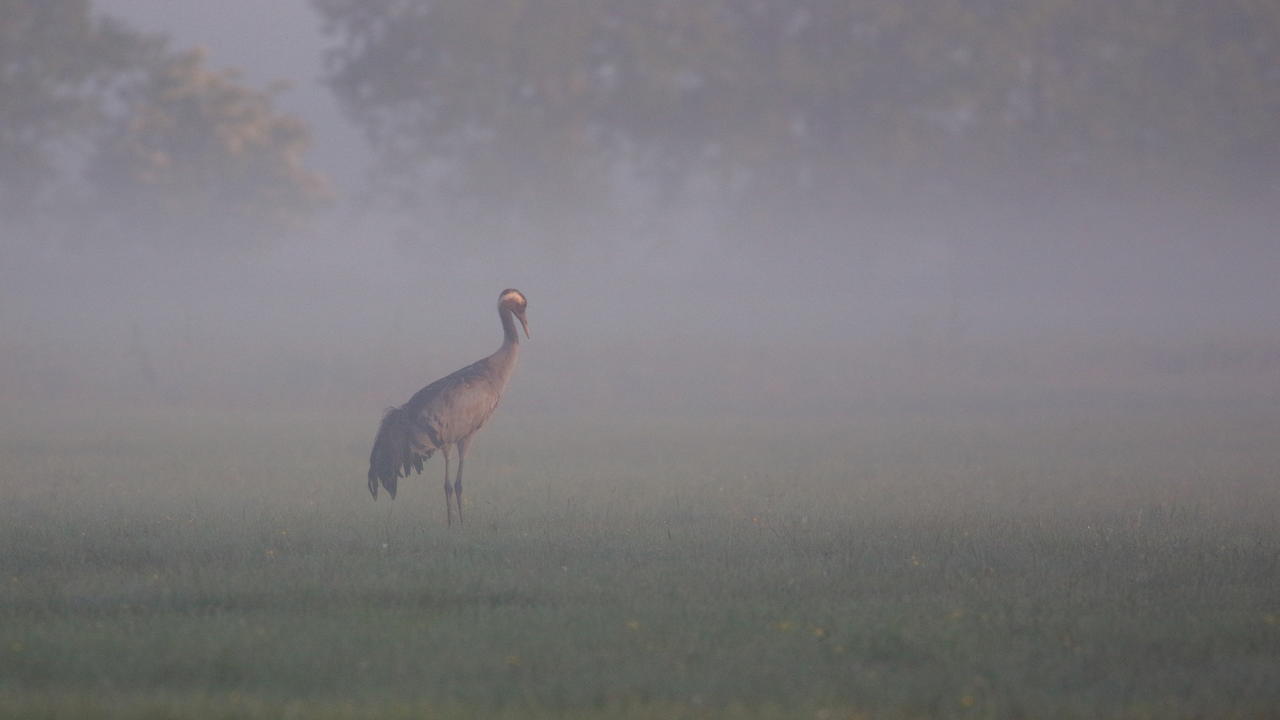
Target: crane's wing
[[454, 407], [400, 446], [446, 411]]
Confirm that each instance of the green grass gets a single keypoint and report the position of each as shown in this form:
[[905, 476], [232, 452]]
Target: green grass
[[1000, 564]]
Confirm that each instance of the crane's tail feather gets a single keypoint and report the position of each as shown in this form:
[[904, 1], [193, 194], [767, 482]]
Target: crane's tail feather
[[395, 452]]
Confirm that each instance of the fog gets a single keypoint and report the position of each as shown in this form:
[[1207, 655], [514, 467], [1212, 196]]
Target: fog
[[887, 359], [936, 293], [352, 318]]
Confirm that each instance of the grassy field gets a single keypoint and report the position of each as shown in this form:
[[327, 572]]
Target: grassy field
[[1100, 562]]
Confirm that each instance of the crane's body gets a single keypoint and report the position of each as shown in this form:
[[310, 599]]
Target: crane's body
[[447, 413]]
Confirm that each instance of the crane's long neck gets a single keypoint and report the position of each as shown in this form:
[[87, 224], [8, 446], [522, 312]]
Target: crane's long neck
[[504, 360], [509, 335]]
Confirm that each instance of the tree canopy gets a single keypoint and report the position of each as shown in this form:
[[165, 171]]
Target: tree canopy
[[195, 144], [57, 63], [103, 123], [803, 104]]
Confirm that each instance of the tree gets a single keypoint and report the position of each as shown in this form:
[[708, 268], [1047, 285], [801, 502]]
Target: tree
[[510, 129], [57, 64], [100, 122], [197, 154]]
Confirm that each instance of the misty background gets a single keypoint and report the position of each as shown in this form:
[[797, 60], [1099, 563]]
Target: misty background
[[810, 208]]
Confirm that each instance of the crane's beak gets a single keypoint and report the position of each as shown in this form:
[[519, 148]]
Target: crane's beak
[[524, 323]]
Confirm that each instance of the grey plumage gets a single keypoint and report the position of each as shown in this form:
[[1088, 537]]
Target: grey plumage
[[447, 413]]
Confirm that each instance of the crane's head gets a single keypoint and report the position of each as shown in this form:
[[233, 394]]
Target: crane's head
[[514, 301]]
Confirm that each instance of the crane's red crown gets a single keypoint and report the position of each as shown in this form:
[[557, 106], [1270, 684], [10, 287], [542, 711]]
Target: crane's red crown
[[513, 299]]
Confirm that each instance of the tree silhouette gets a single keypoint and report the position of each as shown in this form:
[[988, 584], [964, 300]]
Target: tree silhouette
[[101, 123], [788, 109], [58, 63], [197, 155]]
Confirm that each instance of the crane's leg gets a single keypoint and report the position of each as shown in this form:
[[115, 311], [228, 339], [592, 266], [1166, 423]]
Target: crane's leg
[[457, 483], [448, 489]]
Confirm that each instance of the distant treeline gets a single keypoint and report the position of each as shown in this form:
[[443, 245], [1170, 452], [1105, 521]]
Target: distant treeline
[[798, 107], [537, 117]]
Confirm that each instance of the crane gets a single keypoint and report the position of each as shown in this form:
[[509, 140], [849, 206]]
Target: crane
[[447, 413]]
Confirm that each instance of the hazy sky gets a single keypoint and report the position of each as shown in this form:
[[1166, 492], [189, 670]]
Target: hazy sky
[[370, 307]]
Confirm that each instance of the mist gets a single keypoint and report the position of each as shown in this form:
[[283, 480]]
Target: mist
[[1153, 304], [860, 336], [914, 295]]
